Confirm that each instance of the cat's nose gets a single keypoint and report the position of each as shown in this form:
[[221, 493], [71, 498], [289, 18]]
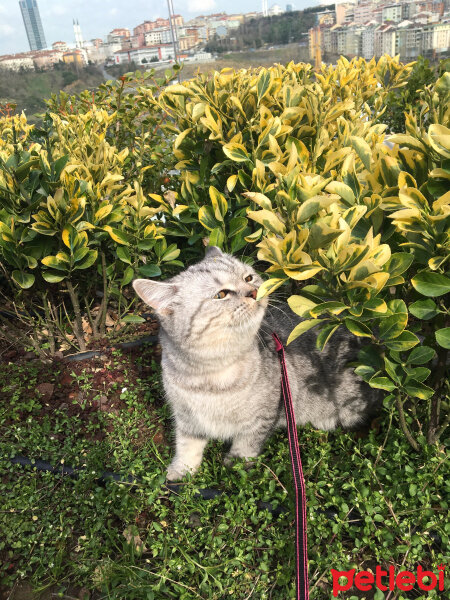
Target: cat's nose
[[252, 294]]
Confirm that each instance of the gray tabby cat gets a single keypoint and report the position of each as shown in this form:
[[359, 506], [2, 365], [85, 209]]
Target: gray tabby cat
[[220, 369]]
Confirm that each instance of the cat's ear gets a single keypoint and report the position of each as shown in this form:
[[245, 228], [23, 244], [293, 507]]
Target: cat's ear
[[157, 295], [212, 251]]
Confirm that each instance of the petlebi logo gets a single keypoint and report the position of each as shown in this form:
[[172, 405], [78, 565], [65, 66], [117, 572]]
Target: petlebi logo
[[388, 580]]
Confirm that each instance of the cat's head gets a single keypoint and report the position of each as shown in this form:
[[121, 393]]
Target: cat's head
[[212, 304]]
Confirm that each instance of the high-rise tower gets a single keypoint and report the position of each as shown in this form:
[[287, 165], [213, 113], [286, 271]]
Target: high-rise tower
[[33, 24]]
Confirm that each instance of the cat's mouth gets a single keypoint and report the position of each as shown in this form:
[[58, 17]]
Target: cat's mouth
[[249, 314]]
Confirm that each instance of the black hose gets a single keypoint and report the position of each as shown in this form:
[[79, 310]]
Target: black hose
[[148, 339], [106, 476]]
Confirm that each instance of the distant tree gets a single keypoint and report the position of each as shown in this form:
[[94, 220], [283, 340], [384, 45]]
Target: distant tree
[[280, 29]]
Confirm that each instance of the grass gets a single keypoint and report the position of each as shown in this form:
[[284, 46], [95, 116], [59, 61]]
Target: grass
[[370, 499], [246, 59]]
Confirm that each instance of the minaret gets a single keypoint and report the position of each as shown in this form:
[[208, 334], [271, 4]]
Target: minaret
[[264, 8], [78, 34]]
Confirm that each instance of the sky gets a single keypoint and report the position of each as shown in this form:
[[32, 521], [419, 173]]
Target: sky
[[98, 17]]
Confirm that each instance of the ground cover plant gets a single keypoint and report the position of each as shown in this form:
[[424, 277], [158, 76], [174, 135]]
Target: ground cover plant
[[370, 499], [294, 170]]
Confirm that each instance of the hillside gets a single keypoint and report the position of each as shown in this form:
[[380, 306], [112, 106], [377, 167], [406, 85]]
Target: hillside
[[281, 29], [28, 89]]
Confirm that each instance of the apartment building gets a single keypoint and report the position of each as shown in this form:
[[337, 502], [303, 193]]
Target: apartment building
[[409, 28]]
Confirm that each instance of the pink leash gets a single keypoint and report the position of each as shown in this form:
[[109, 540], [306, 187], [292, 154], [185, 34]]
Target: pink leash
[[299, 482]]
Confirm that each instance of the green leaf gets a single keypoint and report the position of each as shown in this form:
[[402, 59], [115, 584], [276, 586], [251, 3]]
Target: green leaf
[[59, 165], [392, 326], [302, 328], [394, 370], [375, 305], [399, 263], [149, 271], [70, 237], [216, 237], [362, 149], [127, 276], [300, 305], [365, 371], [237, 225], [382, 383], [321, 236], [268, 219], [207, 218], [357, 328], [124, 254], [404, 341], [418, 373], [219, 203], [53, 276], [263, 84], [431, 284], [269, 286], [117, 235], [88, 261], [424, 309], [145, 244], [171, 253], [397, 306], [341, 189], [418, 390], [24, 280], [79, 254], [335, 308], [235, 152], [420, 355], [325, 334], [133, 319], [55, 263], [443, 337]]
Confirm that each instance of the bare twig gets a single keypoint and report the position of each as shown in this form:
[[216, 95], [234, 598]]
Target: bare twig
[[275, 476], [104, 306], [49, 323], [404, 425], [78, 324]]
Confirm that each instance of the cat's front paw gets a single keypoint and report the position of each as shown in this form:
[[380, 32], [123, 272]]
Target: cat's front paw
[[176, 471]]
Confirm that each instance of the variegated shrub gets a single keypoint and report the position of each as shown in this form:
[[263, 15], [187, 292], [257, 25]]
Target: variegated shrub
[[76, 218], [357, 224]]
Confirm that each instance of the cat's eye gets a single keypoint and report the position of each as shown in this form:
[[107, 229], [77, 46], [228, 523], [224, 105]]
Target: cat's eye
[[249, 278], [220, 295]]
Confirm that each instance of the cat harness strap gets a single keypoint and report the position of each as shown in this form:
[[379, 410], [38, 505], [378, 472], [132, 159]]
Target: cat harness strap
[[301, 551]]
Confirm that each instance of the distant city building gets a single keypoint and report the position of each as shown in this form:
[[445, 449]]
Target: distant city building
[[118, 35], [146, 54], [33, 24], [74, 57], [275, 10], [60, 46], [38, 59], [371, 28]]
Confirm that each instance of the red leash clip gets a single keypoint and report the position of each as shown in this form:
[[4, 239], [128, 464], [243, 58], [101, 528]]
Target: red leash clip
[[299, 482]]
